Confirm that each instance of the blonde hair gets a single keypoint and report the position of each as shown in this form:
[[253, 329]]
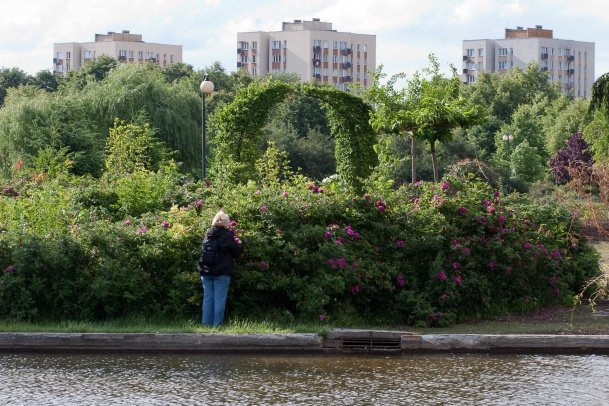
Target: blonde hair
[[221, 220]]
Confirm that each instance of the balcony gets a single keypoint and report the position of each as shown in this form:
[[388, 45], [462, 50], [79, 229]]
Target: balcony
[[348, 78], [318, 76], [346, 65], [316, 49], [54, 60], [238, 50], [544, 56], [122, 58], [571, 58], [571, 71], [544, 68], [316, 62], [239, 64], [466, 57], [465, 71]]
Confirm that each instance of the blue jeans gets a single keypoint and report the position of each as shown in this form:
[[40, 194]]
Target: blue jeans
[[215, 290]]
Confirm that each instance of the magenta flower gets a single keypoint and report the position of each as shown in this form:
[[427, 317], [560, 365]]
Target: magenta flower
[[492, 265], [437, 315], [355, 289], [458, 279], [463, 210], [456, 265], [165, 224], [552, 280], [141, 230], [263, 265], [441, 276], [501, 219], [322, 317], [380, 206], [490, 209], [339, 241], [555, 291], [257, 192], [418, 183], [198, 203], [445, 185], [233, 223], [285, 194], [555, 254], [527, 245], [466, 251], [8, 190], [400, 244], [327, 234], [401, 280], [497, 193], [481, 220], [264, 208], [352, 233], [341, 263], [10, 269], [127, 222], [332, 263]]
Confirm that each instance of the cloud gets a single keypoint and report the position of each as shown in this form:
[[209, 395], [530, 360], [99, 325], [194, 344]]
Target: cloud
[[471, 10]]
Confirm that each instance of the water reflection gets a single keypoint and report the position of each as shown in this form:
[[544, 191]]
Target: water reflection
[[289, 380]]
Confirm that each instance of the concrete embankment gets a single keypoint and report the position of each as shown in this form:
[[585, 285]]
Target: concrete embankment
[[335, 341]]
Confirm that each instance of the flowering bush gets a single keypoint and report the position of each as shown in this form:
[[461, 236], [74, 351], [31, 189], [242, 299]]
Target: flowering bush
[[429, 254]]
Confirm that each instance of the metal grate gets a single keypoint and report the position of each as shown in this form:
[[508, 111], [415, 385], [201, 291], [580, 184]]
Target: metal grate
[[370, 344]]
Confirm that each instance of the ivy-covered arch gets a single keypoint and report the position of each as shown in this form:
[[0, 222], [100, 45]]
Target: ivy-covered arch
[[236, 145]]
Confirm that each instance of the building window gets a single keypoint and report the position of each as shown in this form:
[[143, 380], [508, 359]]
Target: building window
[[254, 73], [276, 44], [343, 45], [317, 43], [140, 54], [68, 55], [131, 54], [245, 45], [480, 65], [243, 58], [335, 44], [171, 58], [285, 43], [254, 58], [365, 47], [254, 45], [276, 58], [503, 65], [503, 51], [471, 78], [89, 54], [470, 52], [335, 58], [324, 71], [325, 57], [480, 51], [325, 44]]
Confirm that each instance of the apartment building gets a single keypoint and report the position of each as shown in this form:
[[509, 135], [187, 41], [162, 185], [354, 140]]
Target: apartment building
[[310, 49], [568, 62], [123, 46]]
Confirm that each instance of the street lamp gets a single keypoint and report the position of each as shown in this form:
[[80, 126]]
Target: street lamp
[[508, 137], [207, 87]]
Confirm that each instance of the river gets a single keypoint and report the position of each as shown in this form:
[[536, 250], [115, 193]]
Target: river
[[457, 379]]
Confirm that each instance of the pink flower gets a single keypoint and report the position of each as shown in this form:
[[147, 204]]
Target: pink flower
[[445, 185], [552, 280], [490, 209], [263, 265], [10, 269], [198, 203], [380, 206], [233, 223], [127, 222], [555, 291], [492, 265], [458, 279], [441, 276], [341, 263], [165, 224], [463, 210], [400, 244], [332, 263], [465, 251], [141, 230], [327, 234], [527, 245], [285, 194], [339, 241], [456, 265], [352, 233], [264, 208], [355, 289], [322, 317], [501, 219], [257, 192]]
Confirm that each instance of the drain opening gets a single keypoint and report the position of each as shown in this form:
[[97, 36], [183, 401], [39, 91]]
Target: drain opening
[[367, 344]]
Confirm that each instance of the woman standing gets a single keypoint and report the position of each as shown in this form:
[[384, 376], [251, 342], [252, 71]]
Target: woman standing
[[220, 248]]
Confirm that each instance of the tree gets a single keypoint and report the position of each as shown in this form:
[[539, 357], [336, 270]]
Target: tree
[[574, 157], [46, 81], [563, 118], [431, 107], [176, 71], [597, 132], [11, 77], [526, 162]]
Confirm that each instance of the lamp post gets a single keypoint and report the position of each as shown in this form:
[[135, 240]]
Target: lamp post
[[207, 87], [508, 137]]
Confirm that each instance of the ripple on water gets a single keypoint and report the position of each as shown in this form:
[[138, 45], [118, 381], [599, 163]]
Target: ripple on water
[[290, 380]]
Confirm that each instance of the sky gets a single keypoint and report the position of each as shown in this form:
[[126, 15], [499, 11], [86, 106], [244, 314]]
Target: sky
[[406, 30]]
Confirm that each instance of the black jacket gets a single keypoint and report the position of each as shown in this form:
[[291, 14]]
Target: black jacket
[[228, 247]]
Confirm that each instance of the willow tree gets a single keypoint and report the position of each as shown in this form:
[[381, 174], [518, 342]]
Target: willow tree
[[429, 108], [597, 132]]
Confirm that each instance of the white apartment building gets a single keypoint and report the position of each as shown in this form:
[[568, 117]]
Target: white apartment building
[[310, 49], [124, 47], [568, 62]]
